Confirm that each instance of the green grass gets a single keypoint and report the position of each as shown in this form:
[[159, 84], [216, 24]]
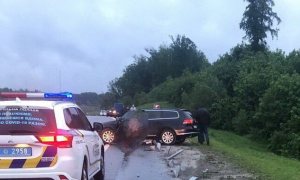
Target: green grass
[[162, 104], [253, 156]]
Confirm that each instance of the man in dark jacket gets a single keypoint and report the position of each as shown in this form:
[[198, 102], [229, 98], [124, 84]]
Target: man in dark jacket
[[203, 118]]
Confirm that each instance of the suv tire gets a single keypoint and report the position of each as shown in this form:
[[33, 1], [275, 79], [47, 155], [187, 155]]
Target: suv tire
[[100, 174], [168, 137], [108, 136], [84, 173]]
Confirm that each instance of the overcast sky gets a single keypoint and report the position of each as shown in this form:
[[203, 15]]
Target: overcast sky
[[80, 46]]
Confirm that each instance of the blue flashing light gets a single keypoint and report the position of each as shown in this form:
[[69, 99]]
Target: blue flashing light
[[66, 95]]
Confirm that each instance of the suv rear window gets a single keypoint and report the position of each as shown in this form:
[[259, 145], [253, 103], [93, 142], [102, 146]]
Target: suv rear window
[[154, 114], [188, 114], [170, 114], [30, 120]]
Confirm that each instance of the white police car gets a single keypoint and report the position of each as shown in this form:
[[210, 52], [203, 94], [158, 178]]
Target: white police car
[[48, 139]]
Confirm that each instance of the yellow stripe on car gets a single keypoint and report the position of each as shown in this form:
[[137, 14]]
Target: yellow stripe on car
[[54, 161], [32, 163], [5, 163], [37, 162]]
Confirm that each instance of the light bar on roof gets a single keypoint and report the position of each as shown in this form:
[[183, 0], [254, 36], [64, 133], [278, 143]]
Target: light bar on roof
[[35, 95], [64, 95], [59, 95]]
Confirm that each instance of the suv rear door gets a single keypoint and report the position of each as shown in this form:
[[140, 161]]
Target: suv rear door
[[154, 123], [20, 129], [171, 119]]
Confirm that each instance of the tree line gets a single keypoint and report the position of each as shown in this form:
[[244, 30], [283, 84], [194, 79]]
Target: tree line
[[250, 90]]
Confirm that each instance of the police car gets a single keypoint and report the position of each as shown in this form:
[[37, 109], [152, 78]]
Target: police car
[[48, 139]]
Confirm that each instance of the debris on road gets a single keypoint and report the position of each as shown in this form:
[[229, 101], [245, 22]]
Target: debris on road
[[196, 162], [171, 163], [175, 154], [147, 141], [176, 170], [152, 148], [155, 146], [168, 150], [193, 178], [158, 145]]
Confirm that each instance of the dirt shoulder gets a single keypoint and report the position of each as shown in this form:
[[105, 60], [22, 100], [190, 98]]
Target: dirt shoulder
[[200, 162]]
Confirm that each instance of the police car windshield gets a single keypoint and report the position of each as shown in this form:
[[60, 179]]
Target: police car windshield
[[19, 120]]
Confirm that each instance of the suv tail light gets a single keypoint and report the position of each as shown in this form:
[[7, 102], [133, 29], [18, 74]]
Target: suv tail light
[[188, 122], [62, 177], [62, 139]]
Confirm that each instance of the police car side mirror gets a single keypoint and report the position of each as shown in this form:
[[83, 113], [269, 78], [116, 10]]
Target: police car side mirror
[[98, 126]]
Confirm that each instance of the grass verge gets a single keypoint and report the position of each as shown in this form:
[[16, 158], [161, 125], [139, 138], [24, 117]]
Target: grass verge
[[253, 156]]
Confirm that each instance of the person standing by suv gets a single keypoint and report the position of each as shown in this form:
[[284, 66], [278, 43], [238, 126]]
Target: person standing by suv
[[133, 108], [203, 118]]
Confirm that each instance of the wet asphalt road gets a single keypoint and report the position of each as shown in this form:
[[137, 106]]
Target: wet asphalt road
[[141, 164]]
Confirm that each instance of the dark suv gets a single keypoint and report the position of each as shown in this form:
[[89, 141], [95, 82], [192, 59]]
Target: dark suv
[[169, 125]]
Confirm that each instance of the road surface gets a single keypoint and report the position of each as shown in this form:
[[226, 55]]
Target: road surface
[[142, 164]]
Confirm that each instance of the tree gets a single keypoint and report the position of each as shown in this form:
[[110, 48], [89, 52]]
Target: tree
[[186, 56], [148, 72], [107, 100], [114, 88], [87, 98], [257, 21], [226, 68]]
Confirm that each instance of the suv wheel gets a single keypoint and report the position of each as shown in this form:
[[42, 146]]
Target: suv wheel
[[108, 136], [168, 137], [84, 174], [100, 174]]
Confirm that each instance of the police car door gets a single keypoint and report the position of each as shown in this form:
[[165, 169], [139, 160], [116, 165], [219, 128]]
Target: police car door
[[94, 149], [88, 135]]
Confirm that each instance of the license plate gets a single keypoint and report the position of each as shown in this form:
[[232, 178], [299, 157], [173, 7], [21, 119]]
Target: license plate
[[15, 151], [195, 127]]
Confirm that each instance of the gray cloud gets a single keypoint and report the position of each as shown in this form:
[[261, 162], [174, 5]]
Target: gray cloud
[[89, 43]]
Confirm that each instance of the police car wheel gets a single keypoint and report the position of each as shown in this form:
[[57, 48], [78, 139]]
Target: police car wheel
[[108, 136], [84, 174], [168, 137], [100, 174]]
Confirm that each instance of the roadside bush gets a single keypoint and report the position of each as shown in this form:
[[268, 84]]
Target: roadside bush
[[186, 101], [173, 89], [287, 141], [222, 113], [256, 74], [240, 123], [278, 116], [140, 98]]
